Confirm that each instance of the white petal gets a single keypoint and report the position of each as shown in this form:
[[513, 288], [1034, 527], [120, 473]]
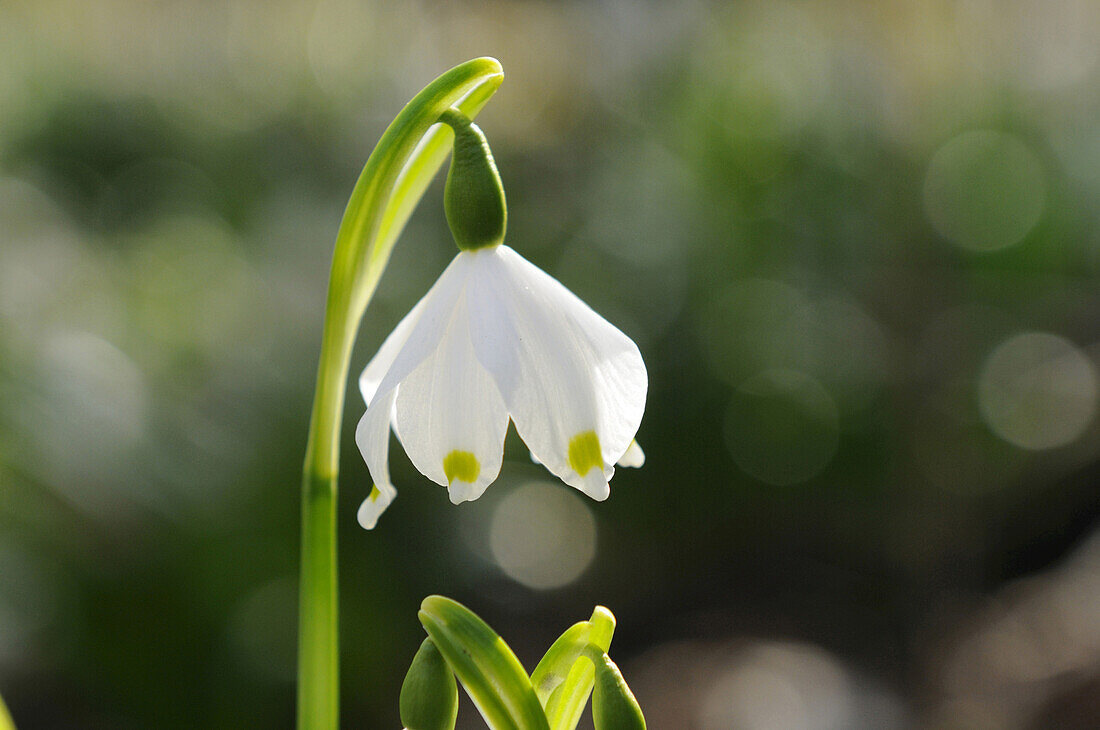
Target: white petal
[[425, 331], [374, 505], [450, 415], [379, 365], [372, 436], [401, 354], [574, 385], [634, 456]]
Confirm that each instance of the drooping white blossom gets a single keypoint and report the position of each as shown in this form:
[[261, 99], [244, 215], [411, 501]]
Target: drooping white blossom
[[494, 339]]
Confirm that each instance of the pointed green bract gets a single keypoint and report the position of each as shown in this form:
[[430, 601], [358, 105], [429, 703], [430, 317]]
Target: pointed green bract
[[483, 663], [429, 694], [564, 678], [613, 704]]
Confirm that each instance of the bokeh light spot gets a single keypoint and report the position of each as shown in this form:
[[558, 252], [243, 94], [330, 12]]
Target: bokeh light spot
[[984, 190], [39, 257], [780, 685], [542, 535], [782, 427], [1037, 391]]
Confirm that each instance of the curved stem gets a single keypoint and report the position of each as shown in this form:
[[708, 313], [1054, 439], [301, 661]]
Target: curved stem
[[393, 181]]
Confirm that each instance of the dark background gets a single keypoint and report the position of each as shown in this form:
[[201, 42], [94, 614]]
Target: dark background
[[858, 246]]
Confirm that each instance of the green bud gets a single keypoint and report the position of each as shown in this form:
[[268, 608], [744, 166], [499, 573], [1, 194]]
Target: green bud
[[429, 695], [474, 196], [613, 704]]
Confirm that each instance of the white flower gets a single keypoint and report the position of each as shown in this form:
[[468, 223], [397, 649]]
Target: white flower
[[496, 337]]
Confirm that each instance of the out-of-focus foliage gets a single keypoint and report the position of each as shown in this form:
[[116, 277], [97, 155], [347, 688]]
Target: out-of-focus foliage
[[856, 242]]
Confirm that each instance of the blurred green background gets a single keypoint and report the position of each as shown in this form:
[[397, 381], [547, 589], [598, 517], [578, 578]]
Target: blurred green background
[[858, 244]]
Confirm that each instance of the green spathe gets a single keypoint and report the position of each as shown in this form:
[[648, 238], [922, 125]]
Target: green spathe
[[474, 195]]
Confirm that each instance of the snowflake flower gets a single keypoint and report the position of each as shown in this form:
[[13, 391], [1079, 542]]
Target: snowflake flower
[[494, 339]]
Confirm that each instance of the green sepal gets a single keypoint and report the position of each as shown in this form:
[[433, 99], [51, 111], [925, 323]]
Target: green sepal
[[473, 197], [487, 668], [429, 694], [563, 678], [613, 704]]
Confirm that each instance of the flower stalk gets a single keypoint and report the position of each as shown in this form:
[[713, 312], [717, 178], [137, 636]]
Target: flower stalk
[[395, 177]]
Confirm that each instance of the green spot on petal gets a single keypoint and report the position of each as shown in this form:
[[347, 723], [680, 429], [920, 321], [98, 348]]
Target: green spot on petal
[[584, 452], [461, 465]]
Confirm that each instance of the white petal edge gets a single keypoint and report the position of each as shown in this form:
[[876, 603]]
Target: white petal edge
[[374, 505], [372, 436], [634, 456]]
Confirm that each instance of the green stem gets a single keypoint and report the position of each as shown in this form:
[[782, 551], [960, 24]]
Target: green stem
[[318, 663], [393, 181]]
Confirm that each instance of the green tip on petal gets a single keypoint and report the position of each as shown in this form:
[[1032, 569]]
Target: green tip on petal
[[584, 452], [461, 465], [474, 195], [429, 695]]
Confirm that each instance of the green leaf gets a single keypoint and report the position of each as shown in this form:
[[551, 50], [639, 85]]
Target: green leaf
[[429, 695], [613, 704], [487, 668], [563, 678], [6, 723], [554, 666]]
